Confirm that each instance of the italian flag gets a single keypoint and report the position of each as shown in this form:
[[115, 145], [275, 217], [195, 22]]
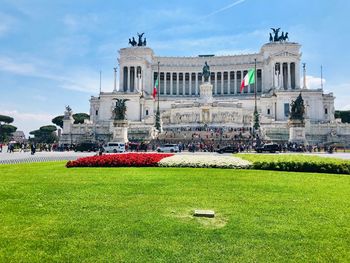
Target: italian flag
[[155, 88], [249, 78]]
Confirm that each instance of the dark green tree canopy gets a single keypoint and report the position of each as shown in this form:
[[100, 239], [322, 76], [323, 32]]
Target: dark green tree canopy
[[78, 118], [8, 128], [5, 128], [48, 128], [58, 121], [343, 115], [45, 134], [6, 119]]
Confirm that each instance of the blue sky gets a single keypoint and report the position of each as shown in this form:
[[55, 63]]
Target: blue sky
[[51, 52]]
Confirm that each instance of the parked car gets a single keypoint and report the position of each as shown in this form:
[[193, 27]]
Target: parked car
[[173, 148], [268, 147], [228, 149], [86, 147], [114, 147]]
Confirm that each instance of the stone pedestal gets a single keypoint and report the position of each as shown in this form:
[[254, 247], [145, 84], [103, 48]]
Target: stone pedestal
[[297, 131], [206, 92], [120, 131]]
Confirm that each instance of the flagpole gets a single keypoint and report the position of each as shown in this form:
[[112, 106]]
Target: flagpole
[[158, 127], [100, 81], [255, 82], [321, 78], [158, 91]]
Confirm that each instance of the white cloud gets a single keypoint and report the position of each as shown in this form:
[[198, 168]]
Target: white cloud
[[28, 121], [211, 44], [82, 79], [76, 22], [7, 23], [312, 82], [16, 67], [39, 98], [226, 7], [342, 96]]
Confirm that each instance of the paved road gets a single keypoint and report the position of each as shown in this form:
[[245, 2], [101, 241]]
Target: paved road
[[26, 157]]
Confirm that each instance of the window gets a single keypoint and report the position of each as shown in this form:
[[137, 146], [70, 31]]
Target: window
[[268, 112], [96, 113], [286, 109], [146, 112], [325, 111]]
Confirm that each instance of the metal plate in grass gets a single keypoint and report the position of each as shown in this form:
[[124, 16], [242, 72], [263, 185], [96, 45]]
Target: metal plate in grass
[[204, 213]]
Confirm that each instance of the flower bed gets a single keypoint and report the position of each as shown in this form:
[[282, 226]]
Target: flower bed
[[119, 160], [213, 161]]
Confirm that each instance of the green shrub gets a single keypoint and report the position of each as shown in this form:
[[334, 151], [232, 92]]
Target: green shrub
[[297, 163]]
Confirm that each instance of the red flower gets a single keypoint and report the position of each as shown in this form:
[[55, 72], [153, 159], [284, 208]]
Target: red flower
[[120, 160]]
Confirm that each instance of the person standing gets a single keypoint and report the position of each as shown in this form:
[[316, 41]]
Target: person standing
[[32, 148]]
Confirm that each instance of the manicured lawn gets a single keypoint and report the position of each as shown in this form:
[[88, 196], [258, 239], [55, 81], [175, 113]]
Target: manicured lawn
[[51, 213]]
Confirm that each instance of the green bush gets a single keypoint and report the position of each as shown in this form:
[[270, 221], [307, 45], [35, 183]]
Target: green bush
[[297, 163]]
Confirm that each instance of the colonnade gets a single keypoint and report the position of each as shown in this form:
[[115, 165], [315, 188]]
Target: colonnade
[[131, 78], [187, 83], [284, 75]]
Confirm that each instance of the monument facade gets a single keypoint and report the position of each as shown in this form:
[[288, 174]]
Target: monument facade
[[192, 95]]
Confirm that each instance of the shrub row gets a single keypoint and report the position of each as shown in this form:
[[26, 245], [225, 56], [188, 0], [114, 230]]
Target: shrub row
[[326, 166], [119, 160]]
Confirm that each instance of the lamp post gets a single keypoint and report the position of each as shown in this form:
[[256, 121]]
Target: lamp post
[[256, 125]]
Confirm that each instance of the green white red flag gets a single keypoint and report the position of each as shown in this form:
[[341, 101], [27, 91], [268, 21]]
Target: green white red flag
[[155, 89], [249, 78]]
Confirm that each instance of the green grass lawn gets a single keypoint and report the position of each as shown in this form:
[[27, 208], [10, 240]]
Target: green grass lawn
[[51, 213]]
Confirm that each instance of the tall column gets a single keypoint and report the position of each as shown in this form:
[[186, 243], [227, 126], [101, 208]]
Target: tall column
[[190, 84], [235, 84], [216, 83], [136, 87], [121, 78], [229, 82], [129, 77], [177, 83], [239, 86], [184, 84], [297, 76], [164, 90], [196, 83], [171, 84], [262, 81], [280, 78], [274, 75], [289, 77], [222, 83]]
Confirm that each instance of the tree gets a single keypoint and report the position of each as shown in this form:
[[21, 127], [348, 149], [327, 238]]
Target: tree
[[45, 134], [58, 121], [343, 115], [5, 119], [78, 118], [5, 128]]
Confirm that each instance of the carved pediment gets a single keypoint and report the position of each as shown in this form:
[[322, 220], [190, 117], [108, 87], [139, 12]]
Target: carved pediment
[[285, 54]]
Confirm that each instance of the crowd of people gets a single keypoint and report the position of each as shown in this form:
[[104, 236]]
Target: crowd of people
[[245, 142]]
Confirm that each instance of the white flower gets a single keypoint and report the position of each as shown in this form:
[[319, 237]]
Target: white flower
[[214, 161]]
